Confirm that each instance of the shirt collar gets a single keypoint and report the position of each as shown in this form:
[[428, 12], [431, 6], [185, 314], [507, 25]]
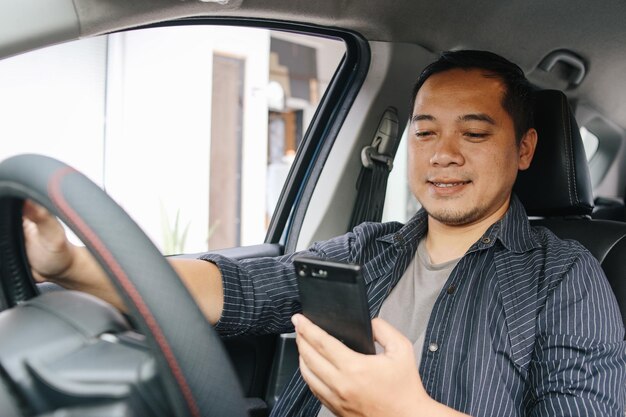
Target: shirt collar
[[409, 235], [513, 231]]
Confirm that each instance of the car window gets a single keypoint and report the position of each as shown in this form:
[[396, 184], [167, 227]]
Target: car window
[[400, 204], [590, 142], [191, 129]]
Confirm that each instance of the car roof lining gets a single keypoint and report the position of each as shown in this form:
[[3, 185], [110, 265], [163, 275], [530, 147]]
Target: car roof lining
[[538, 28], [594, 32]]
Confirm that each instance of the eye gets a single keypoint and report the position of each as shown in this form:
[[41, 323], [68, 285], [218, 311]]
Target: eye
[[421, 134], [476, 136]]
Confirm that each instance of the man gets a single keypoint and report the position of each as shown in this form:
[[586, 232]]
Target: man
[[496, 313]]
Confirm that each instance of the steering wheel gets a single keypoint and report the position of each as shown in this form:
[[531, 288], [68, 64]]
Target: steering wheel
[[196, 372]]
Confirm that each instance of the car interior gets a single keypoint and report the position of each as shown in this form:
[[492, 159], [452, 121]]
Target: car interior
[[66, 353]]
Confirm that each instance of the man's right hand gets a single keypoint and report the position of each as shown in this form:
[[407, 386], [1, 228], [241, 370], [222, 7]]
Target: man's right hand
[[50, 254]]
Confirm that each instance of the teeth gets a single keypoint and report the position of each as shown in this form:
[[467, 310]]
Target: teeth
[[447, 185]]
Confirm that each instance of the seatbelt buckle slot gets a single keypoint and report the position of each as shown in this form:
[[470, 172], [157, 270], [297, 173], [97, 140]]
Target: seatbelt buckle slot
[[384, 145], [369, 156]]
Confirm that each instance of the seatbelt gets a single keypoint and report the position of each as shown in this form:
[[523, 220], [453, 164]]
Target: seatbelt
[[377, 160]]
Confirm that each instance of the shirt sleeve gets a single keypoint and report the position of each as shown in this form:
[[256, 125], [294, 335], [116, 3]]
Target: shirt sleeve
[[261, 294], [579, 360]]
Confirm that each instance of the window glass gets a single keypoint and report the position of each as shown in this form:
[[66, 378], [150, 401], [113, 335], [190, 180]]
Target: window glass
[[400, 204], [590, 142], [192, 130]]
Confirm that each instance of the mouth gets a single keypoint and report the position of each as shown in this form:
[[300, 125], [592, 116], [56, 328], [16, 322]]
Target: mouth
[[448, 183], [447, 188]]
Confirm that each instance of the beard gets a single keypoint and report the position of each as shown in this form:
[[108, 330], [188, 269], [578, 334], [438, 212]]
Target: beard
[[457, 217]]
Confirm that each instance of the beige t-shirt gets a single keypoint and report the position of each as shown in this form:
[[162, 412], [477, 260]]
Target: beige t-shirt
[[410, 302]]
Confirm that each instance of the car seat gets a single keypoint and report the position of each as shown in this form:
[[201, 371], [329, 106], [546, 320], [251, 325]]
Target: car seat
[[557, 193], [609, 209]]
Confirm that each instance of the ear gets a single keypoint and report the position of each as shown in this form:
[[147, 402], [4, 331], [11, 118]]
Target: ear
[[527, 149]]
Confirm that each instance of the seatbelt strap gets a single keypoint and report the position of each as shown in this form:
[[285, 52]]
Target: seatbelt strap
[[377, 160]]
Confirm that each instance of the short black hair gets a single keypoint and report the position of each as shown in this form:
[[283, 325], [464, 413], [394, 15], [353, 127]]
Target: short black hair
[[518, 98]]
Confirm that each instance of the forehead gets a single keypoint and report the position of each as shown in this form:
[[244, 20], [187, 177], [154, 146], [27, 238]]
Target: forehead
[[466, 90]]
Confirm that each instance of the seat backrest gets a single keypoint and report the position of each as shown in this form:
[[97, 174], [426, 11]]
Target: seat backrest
[[557, 189], [609, 209]]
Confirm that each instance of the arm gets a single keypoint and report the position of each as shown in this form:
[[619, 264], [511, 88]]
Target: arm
[[54, 259], [579, 361]]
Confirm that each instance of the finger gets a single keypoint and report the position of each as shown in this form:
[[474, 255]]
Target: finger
[[37, 276], [327, 346], [317, 386], [389, 337], [321, 367], [34, 211], [29, 226], [30, 231], [39, 223]]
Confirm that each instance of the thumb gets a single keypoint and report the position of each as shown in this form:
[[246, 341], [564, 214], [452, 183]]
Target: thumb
[[389, 337]]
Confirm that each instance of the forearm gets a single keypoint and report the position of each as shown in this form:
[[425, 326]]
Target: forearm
[[204, 282], [202, 279]]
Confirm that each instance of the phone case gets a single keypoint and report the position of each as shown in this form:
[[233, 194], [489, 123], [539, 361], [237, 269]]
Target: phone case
[[333, 297]]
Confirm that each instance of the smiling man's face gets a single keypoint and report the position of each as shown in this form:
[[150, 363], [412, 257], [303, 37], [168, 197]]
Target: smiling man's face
[[463, 156]]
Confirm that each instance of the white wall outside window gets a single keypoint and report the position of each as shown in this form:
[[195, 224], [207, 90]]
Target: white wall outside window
[[133, 112]]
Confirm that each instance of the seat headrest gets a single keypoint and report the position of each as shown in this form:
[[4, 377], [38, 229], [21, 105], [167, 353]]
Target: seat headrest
[[557, 182]]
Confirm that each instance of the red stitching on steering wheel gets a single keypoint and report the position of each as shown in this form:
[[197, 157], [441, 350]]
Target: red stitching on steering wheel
[[56, 196]]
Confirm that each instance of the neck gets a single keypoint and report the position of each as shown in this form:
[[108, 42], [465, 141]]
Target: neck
[[447, 242]]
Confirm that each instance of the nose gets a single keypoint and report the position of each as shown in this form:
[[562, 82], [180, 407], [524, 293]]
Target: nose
[[447, 152]]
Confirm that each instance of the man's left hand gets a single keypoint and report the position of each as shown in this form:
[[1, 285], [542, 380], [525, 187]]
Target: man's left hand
[[353, 384]]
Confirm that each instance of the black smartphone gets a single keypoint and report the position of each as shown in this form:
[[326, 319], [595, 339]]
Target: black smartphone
[[332, 295]]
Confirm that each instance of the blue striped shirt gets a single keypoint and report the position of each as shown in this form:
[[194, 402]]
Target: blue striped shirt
[[527, 324]]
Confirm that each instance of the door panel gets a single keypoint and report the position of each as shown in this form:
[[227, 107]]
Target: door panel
[[264, 364]]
